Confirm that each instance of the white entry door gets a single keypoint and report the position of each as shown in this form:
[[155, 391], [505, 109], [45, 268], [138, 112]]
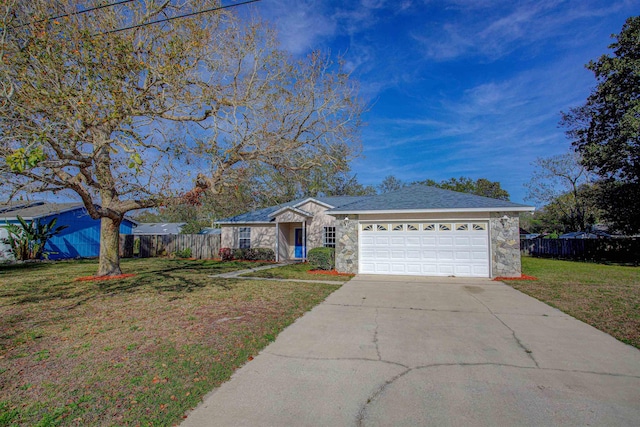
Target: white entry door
[[444, 248]]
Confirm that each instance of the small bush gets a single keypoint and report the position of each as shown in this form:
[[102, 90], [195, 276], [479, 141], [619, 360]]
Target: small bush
[[226, 254], [263, 254], [322, 258], [238, 253], [183, 253]]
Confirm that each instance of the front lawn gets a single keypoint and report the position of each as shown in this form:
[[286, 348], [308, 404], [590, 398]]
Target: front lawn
[[135, 351], [296, 271], [604, 296]]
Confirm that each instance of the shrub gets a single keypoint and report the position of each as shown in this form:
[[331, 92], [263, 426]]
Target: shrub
[[262, 254], [253, 254], [183, 253], [226, 254], [238, 253], [322, 258]]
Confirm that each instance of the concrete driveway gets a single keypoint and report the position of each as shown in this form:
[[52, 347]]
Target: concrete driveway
[[403, 351]]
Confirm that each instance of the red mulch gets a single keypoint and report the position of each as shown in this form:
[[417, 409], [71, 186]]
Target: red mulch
[[92, 278], [330, 273], [523, 277]]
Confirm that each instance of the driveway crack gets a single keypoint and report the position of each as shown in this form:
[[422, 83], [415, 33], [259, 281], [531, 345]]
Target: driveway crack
[[375, 336], [513, 332], [359, 359], [363, 410]]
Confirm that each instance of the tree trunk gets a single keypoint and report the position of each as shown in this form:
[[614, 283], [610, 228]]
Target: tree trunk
[[109, 247]]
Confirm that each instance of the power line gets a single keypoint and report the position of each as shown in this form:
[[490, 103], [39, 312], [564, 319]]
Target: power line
[[177, 17], [80, 12]]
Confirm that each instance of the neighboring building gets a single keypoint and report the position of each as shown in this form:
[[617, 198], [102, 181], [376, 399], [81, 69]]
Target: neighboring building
[[159, 228], [585, 235], [211, 231], [80, 240], [417, 230]]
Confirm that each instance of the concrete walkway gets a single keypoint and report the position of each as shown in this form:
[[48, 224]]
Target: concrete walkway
[[236, 274], [239, 275], [403, 351]]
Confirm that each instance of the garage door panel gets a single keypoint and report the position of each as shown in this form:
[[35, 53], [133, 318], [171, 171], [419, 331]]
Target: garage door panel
[[463, 241], [383, 254], [414, 268], [437, 251], [479, 255], [463, 270], [398, 254], [445, 241], [383, 267], [398, 268], [384, 240], [430, 255], [398, 241], [412, 241], [445, 269], [429, 241], [430, 269]]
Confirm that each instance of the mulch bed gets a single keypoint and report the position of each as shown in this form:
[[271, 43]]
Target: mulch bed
[[94, 278], [330, 273], [523, 277]]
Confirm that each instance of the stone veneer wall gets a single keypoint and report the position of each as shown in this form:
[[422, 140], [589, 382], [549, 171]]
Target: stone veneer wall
[[505, 244], [347, 244]]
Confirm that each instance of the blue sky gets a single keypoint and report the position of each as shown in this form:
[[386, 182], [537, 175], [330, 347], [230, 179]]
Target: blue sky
[[457, 88]]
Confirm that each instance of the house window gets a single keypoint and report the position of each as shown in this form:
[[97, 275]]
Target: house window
[[244, 237], [329, 237]]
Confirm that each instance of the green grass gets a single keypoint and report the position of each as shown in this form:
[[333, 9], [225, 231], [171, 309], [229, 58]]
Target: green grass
[[295, 271], [604, 296], [135, 351]]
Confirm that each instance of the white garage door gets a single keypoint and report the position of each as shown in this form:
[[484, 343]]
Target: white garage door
[[445, 248]]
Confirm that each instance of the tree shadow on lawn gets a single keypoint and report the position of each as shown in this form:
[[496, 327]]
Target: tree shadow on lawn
[[181, 277]]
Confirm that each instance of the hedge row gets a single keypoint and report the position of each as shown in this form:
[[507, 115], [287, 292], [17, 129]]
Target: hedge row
[[253, 254]]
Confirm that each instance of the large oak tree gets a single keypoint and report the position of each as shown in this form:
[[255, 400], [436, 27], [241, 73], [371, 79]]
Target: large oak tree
[[606, 129], [130, 119]]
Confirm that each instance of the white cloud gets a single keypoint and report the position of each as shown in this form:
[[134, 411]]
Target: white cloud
[[494, 29]]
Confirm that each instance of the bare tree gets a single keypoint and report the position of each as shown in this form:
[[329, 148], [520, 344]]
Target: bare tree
[[129, 119], [564, 185]]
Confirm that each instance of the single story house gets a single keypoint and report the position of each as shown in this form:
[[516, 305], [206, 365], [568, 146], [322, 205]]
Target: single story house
[[81, 239], [417, 230]]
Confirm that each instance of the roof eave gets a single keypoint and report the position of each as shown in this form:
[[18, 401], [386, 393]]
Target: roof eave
[[291, 208], [243, 222], [311, 199], [444, 210]]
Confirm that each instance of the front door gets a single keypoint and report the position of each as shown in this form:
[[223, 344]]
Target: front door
[[299, 249]]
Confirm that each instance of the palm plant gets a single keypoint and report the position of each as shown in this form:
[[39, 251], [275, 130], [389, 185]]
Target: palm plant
[[27, 239]]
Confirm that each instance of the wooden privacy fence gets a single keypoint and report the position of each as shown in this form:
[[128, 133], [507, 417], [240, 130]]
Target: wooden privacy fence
[[202, 246], [623, 250]]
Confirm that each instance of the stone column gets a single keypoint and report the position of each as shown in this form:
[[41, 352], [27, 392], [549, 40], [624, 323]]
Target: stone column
[[347, 244], [505, 244]]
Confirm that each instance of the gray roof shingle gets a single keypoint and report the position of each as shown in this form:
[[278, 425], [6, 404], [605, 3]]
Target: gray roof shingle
[[34, 210], [425, 198]]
